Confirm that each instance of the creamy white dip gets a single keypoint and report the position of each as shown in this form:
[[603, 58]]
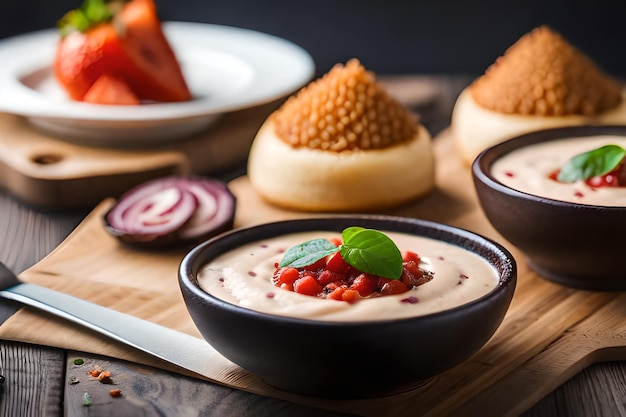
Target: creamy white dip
[[243, 277], [527, 169]]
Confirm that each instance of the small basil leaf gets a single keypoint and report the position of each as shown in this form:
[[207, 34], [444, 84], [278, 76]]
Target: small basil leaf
[[372, 252], [590, 164], [307, 253]]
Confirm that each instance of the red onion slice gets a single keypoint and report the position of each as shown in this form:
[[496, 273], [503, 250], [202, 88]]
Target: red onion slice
[[215, 206], [172, 209]]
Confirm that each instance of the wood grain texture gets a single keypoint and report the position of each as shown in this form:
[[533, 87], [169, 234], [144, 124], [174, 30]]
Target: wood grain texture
[[51, 173], [34, 380], [29, 235], [154, 392], [532, 353], [597, 391]]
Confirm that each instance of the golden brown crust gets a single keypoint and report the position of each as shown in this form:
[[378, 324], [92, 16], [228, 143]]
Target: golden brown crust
[[542, 74], [320, 181], [346, 109]]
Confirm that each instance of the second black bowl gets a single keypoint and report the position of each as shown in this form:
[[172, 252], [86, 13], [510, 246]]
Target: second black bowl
[[578, 245]]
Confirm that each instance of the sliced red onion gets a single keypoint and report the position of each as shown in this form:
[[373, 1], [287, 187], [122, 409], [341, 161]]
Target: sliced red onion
[[172, 209]]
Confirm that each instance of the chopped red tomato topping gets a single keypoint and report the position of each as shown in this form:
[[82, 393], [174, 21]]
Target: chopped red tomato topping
[[286, 276], [350, 296], [615, 178], [333, 278], [335, 263], [307, 285], [365, 284], [408, 255], [393, 287]]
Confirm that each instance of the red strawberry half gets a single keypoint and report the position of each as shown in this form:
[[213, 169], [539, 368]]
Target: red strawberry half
[[125, 42]]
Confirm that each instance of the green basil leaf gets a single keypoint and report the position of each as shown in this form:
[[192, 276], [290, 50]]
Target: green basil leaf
[[349, 231], [590, 164], [307, 253], [372, 252]]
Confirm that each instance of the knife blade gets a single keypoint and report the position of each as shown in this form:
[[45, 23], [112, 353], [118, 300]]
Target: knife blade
[[194, 355]]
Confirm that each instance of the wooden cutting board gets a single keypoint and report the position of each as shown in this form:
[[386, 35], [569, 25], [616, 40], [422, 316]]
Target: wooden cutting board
[[549, 334], [55, 173]]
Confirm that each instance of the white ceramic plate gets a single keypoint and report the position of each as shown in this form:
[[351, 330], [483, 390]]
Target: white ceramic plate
[[226, 68]]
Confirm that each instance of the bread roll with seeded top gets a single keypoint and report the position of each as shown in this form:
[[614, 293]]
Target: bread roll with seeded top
[[540, 82], [342, 144]]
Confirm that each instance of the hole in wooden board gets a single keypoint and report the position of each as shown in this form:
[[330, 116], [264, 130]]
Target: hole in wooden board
[[47, 158]]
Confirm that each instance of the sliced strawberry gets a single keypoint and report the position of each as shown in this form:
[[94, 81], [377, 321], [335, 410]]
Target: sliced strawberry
[[109, 89], [126, 41], [159, 77], [81, 58]]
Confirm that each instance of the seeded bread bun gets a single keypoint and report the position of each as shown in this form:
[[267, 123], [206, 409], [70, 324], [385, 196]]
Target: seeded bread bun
[[342, 144], [540, 82]]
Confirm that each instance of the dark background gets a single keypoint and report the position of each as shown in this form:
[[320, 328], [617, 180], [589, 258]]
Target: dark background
[[388, 36]]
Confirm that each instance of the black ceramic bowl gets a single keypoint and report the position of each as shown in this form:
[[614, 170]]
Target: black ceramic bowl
[[347, 359], [577, 245]]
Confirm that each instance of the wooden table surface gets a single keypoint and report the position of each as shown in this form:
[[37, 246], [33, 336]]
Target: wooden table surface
[[42, 381]]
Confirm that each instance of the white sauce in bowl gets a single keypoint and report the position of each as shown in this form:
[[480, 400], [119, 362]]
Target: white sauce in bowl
[[528, 169], [243, 277]]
